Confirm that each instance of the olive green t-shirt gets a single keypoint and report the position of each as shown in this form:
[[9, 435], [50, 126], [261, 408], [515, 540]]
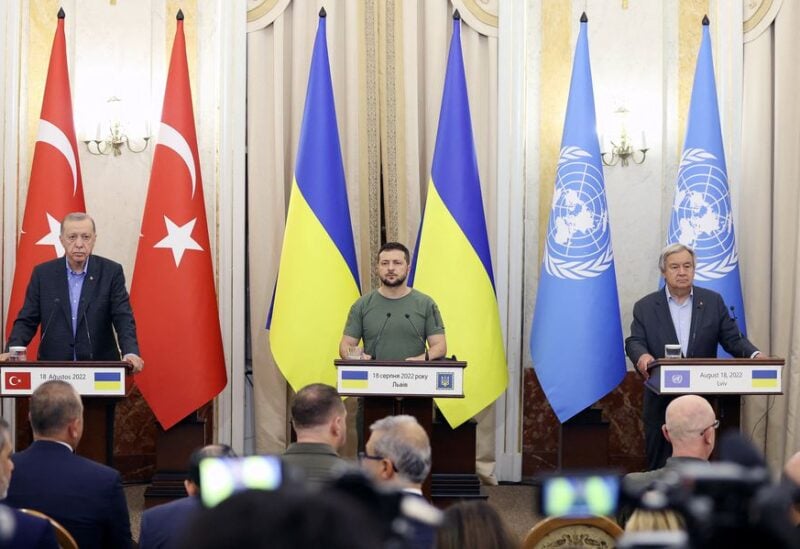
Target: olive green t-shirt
[[398, 340]]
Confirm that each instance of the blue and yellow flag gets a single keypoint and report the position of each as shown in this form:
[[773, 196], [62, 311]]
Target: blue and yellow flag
[[453, 263], [318, 274], [576, 337], [702, 217]]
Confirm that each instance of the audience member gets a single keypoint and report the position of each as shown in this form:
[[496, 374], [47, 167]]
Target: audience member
[[163, 526], [319, 419], [473, 525], [16, 528], [284, 519], [691, 429], [398, 455], [792, 472], [84, 496]]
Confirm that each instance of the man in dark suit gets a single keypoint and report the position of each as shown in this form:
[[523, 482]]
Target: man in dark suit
[[16, 528], [77, 300], [164, 526], [319, 419], [680, 314], [84, 496], [398, 455]]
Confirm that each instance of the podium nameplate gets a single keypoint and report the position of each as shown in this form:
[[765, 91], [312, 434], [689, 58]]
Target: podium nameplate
[[22, 378], [739, 377], [441, 378]]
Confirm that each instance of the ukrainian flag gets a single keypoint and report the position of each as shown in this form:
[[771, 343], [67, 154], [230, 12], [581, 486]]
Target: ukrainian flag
[[107, 381], [318, 274], [764, 379], [355, 380], [453, 263]]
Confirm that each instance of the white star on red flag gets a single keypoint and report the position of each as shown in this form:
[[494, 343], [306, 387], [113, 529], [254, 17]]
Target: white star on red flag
[[178, 239], [51, 238]]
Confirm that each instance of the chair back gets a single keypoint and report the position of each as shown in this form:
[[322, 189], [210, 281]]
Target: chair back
[[595, 532], [63, 537]]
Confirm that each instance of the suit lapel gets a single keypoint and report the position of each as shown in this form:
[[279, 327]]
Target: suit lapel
[[698, 310], [88, 288], [668, 333], [60, 280]]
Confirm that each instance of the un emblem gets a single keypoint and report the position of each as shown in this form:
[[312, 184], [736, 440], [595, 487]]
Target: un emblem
[[701, 214], [578, 239], [444, 381], [677, 379]]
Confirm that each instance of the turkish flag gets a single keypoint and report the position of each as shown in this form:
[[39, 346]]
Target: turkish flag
[[16, 381], [172, 290], [55, 187]]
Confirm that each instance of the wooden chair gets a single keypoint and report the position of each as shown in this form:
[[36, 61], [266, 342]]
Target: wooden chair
[[596, 532], [63, 537]]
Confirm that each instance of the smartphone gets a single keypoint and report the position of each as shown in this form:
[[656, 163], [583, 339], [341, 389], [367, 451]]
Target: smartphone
[[579, 494], [221, 477]]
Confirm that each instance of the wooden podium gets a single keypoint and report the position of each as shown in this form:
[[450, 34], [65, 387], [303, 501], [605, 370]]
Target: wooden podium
[[723, 379], [408, 387], [100, 384]]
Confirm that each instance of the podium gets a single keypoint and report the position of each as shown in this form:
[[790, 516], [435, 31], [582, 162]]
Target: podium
[[724, 379], [100, 384], [393, 387]]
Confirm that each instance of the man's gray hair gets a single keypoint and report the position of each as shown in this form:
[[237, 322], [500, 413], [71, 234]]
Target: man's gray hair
[[674, 249], [54, 404], [77, 216], [411, 457]]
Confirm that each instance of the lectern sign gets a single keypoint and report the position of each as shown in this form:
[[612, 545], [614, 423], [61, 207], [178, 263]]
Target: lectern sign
[[434, 379], [738, 377], [20, 380]]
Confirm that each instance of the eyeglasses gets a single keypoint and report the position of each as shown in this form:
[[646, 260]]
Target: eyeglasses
[[714, 426], [363, 455]]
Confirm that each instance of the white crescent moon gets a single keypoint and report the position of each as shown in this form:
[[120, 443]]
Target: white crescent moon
[[170, 137], [52, 135], [13, 381]]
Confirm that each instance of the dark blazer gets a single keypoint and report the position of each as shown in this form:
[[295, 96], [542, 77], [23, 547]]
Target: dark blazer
[[84, 496], [25, 531], [104, 304], [711, 325], [652, 328], [163, 526]]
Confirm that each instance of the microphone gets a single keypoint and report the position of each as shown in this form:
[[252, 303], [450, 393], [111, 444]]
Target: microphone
[[424, 343], [88, 335], [694, 329], [56, 302], [738, 330], [378, 339]]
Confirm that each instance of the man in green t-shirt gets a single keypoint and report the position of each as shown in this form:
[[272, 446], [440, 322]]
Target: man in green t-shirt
[[394, 321]]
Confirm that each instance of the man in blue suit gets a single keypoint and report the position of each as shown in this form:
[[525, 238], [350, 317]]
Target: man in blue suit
[[682, 314], [164, 526], [84, 496], [16, 528], [77, 300]]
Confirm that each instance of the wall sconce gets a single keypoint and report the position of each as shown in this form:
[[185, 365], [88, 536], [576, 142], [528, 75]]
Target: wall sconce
[[622, 151], [116, 138]]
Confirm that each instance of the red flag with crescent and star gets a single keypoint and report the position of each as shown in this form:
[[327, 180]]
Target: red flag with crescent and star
[[55, 188], [172, 290]]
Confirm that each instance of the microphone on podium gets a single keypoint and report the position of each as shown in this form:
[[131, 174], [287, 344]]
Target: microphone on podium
[[45, 326], [422, 339], [378, 339]]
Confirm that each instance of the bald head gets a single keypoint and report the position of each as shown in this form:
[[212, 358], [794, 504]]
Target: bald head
[[689, 427]]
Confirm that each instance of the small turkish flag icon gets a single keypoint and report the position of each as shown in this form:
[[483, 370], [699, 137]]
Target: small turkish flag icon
[[16, 381]]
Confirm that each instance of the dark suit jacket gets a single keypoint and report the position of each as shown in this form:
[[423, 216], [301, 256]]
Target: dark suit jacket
[[163, 526], [712, 324], [104, 304], [84, 496], [27, 531]]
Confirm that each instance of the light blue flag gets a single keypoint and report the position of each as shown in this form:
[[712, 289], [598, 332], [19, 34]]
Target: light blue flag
[[701, 213], [576, 338]]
